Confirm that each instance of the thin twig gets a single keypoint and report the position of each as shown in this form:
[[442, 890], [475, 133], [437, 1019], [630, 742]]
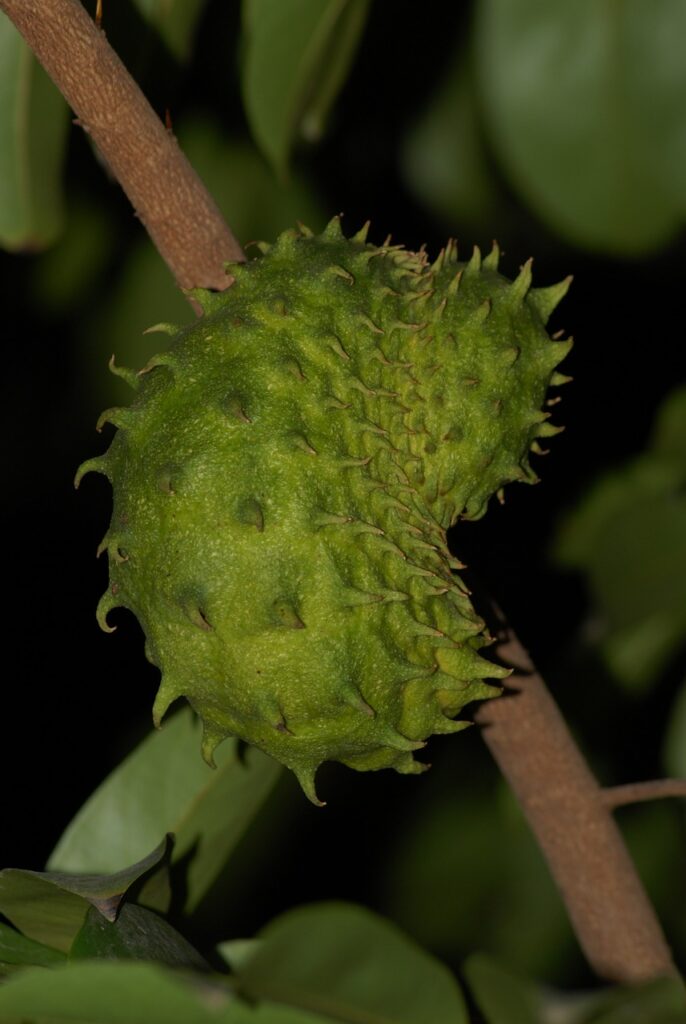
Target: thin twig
[[168, 196], [635, 792], [612, 917]]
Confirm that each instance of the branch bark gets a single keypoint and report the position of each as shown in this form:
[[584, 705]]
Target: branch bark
[[566, 809], [179, 214], [636, 792]]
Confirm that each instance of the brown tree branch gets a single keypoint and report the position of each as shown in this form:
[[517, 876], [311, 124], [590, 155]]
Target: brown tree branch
[[179, 214], [612, 917], [635, 792]]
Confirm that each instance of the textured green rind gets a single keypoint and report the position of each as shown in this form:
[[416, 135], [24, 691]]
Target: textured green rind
[[483, 378], [283, 482]]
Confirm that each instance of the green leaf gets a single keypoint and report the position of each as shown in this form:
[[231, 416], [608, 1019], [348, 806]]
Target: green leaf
[[656, 1002], [297, 55], [347, 964], [644, 597], [675, 742], [33, 125], [136, 934], [43, 911], [657, 473], [628, 534], [424, 872], [175, 20], [268, 1013], [90, 992], [501, 995], [235, 952], [444, 159], [114, 993], [15, 948], [50, 907], [657, 83], [122, 993], [584, 112], [668, 442], [165, 786], [69, 270]]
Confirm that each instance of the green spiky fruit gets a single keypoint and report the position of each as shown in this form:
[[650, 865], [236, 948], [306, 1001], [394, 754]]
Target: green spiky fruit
[[284, 480]]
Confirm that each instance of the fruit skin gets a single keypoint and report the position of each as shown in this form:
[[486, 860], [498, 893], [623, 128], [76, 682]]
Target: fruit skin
[[284, 479]]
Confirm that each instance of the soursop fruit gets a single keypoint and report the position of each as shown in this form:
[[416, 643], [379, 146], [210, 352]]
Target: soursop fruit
[[284, 480]]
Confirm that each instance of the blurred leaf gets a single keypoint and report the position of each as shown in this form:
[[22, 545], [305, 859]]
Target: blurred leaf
[[439, 848], [50, 907], [654, 835], [165, 786], [638, 578], [668, 442], [657, 83], [175, 20], [33, 126], [348, 964], [45, 912], [629, 536], [675, 743], [443, 159], [502, 996], [583, 531], [137, 934], [90, 992], [267, 1013], [505, 998], [297, 55], [67, 273], [18, 949], [114, 993], [657, 1002], [571, 94], [235, 952], [660, 471]]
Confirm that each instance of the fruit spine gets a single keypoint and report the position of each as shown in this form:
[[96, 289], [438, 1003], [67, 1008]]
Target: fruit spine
[[284, 480]]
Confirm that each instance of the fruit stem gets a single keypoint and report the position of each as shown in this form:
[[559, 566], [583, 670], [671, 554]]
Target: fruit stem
[[569, 815], [168, 196]]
